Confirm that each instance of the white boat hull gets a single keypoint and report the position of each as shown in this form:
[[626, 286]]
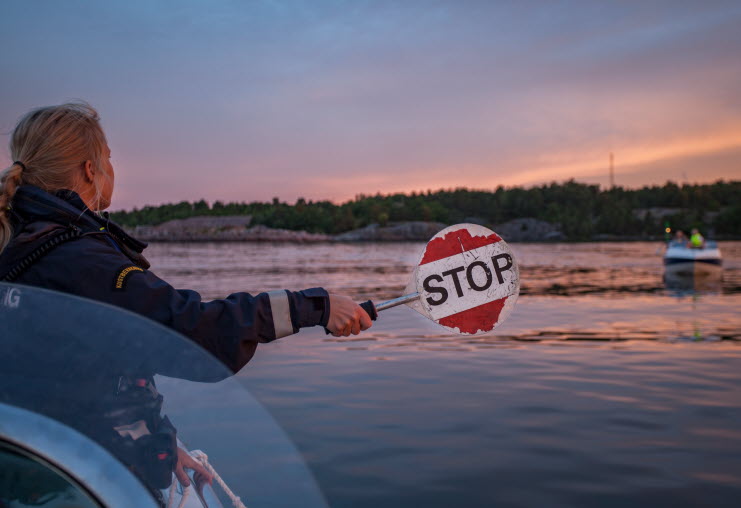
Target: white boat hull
[[682, 260]]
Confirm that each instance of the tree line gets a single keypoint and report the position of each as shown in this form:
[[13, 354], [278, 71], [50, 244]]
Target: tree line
[[581, 210]]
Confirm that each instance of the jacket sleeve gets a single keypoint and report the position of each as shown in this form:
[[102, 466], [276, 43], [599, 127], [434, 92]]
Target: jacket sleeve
[[230, 328]]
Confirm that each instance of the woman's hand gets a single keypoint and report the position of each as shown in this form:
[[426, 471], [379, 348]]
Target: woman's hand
[[186, 461], [346, 317]]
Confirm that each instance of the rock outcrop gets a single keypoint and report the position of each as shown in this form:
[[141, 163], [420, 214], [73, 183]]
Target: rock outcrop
[[529, 230], [403, 231], [220, 229]]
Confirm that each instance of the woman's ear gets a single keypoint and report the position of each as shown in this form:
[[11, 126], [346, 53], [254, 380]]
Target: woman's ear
[[88, 171]]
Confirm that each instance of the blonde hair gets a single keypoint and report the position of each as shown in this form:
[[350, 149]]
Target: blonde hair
[[51, 143]]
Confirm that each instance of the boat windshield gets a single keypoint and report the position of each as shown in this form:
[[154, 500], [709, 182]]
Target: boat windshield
[[136, 389], [709, 244]]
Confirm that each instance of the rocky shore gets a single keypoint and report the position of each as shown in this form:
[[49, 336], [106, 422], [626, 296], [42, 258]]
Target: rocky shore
[[529, 230], [403, 231], [221, 229], [239, 229]]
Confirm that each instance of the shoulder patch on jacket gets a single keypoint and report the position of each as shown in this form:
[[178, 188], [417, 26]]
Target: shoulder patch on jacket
[[122, 276]]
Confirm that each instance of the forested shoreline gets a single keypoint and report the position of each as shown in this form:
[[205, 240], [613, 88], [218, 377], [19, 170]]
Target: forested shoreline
[[580, 211]]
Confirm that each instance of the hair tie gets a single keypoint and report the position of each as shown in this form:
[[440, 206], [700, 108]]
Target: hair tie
[[19, 163]]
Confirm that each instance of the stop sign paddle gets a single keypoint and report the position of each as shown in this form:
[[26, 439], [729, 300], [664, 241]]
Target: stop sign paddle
[[467, 281]]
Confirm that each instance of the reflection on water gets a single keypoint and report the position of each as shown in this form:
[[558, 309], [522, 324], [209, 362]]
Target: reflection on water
[[606, 387], [382, 270], [616, 291], [685, 284]]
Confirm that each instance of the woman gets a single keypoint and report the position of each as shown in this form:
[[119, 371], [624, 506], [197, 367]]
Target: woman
[[50, 237]]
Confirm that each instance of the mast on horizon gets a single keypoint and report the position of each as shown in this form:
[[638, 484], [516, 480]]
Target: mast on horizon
[[612, 171]]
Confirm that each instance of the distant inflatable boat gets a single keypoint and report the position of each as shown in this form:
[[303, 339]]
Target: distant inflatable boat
[[682, 260]]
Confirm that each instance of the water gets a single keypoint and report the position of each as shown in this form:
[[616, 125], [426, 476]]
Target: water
[[604, 388]]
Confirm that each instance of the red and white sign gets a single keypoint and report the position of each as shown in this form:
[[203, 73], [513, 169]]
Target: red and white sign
[[467, 279]]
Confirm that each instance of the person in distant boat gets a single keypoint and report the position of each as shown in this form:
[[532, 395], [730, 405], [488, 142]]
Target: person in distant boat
[[680, 238], [52, 236], [697, 241]]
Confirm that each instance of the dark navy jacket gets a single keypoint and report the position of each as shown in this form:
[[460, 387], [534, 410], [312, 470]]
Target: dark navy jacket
[[59, 245]]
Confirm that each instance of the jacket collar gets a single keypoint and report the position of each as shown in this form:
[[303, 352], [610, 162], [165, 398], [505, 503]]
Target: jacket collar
[[32, 203], [64, 207]]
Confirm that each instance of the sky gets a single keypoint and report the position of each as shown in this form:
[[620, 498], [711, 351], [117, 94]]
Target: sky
[[250, 100]]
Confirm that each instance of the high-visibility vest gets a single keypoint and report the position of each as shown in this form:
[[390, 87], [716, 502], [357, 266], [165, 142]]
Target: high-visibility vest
[[696, 240]]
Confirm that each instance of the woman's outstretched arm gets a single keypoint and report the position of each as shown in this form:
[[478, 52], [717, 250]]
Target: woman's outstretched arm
[[229, 329]]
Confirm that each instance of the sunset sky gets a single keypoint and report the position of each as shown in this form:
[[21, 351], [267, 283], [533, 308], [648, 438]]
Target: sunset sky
[[242, 101]]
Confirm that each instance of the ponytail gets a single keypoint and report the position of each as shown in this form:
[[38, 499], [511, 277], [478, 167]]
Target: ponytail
[[11, 178], [50, 143]]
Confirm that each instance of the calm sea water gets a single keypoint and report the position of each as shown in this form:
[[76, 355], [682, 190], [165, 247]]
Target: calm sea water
[[604, 388]]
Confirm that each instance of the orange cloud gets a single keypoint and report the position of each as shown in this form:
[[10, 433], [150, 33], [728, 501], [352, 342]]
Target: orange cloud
[[634, 157]]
